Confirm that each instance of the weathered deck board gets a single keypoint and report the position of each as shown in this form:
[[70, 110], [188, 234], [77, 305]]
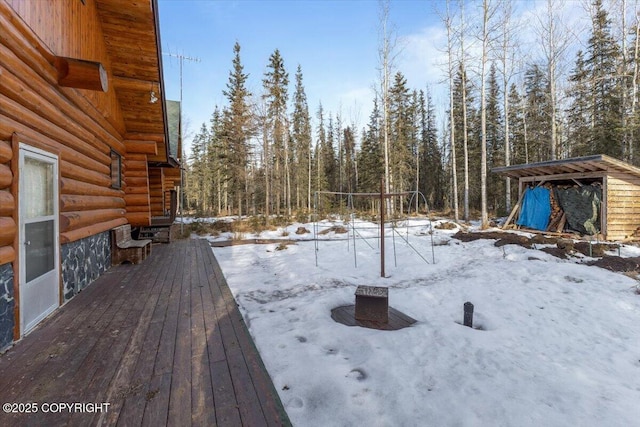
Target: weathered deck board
[[162, 342]]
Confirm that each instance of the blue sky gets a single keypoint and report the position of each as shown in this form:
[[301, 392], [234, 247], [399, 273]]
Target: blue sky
[[335, 42]]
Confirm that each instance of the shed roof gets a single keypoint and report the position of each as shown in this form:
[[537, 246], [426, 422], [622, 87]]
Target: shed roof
[[577, 165]]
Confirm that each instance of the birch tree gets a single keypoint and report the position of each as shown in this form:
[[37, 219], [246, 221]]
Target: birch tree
[[386, 55], [447, 19], [507, 59], [488, 10], [554, 40]]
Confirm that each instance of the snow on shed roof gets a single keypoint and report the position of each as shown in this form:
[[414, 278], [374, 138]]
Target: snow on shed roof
[[577, 165]]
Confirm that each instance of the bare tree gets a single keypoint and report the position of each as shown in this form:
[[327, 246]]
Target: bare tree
[[465, 133], [486, 16], [447, 19], [555, 39], [634, 85], [507, 60], [387, 54]]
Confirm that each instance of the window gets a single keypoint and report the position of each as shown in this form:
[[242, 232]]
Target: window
[[116, 168]]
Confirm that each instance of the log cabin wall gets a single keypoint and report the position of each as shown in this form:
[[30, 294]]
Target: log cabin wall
[[156, 191], [57, 119], [136, 176], [81, 127], [622, 205]]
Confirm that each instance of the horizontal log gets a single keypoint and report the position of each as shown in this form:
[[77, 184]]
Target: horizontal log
[[16, 34], [72, 186], [135, 156], [69, 170], [81, 74], [75, 122], [30, 125], [45, 127], [78, 202], [172, 172], [140, 208], [8, 231], [73, 220], [141, 147], [136, 199], [139, 219], [135, 190], [7, 203], [6, 176], [90, 230], [20, 29], [136, 174], [26, 46], [136, 182], [6, 153], [133, 165], [7, 255]]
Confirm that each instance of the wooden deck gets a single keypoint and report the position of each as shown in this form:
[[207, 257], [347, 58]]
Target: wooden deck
[[162, 342]]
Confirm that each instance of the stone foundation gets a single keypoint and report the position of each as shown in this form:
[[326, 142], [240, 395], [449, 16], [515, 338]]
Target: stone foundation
[[83, 261], [7, 306]]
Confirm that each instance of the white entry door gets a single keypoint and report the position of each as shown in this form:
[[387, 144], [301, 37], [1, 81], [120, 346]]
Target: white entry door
[[39, 253]]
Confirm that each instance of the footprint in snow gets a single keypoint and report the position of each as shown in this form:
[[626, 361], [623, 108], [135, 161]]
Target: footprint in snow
[[295, 403], [357, 373]]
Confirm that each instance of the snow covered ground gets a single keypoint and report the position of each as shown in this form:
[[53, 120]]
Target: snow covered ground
[[559, 342]]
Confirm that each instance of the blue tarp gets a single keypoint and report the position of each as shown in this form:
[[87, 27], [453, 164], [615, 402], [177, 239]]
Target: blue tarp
[[536, 208]]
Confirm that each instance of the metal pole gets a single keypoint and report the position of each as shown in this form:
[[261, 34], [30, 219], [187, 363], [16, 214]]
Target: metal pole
[[181, 59], [468, 314], [382, 227]]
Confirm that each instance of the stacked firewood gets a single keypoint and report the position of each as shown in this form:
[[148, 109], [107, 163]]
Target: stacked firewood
[[557, 219]]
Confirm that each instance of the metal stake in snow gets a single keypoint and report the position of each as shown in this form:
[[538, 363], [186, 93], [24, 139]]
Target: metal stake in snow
[[468, 314]]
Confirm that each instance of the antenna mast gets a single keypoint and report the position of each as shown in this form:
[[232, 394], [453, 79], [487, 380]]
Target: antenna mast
[[181, 58]]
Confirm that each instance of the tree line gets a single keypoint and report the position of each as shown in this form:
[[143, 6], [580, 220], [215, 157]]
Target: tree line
[[262, 154]]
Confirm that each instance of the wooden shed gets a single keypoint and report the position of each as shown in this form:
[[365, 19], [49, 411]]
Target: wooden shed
[[620, 181], [84, 145]]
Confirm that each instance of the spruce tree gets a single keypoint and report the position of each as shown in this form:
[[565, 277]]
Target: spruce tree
[[537, 113], [370, 156], [301, 142], [431, 167], [238, 130], [579, 117], [275, 83], [495, 144], [602, 56]]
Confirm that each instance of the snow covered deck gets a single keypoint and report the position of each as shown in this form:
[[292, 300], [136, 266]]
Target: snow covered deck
[[162, 343]]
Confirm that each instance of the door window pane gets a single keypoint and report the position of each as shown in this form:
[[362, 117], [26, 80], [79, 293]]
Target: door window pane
[[38, 193], [39, 250]]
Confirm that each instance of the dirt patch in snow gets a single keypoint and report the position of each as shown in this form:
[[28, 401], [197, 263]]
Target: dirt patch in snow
[[619, 264], [564, 248]]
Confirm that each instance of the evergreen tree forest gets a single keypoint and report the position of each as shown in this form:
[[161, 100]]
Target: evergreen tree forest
[[268, 153]]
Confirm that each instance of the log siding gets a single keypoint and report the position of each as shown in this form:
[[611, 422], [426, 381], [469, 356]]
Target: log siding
[[81, 127]]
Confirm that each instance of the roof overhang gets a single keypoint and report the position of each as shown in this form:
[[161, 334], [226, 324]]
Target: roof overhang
[[131, 32], [588, 165]]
